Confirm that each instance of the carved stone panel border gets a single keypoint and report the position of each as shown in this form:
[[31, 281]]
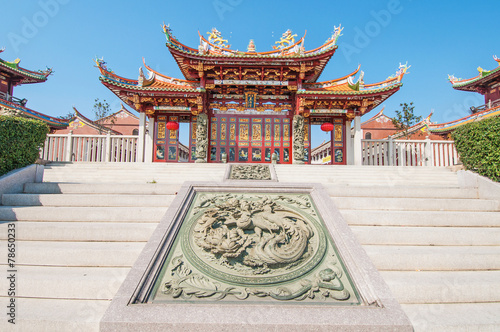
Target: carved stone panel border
[[250, 172], [130, 309]]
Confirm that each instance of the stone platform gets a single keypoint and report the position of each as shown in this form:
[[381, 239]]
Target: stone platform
[[251, 277]]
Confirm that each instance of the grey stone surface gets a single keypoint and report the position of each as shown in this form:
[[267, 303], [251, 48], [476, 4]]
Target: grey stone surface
[[14, 181], [487, 189], [379, 312]]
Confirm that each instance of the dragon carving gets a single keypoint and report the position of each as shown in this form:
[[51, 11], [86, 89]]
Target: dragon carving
[[215, 37], [255, 236], [286, 39]]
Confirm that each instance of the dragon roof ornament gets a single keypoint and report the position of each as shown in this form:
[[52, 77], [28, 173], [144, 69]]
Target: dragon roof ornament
[[402, 70], [101, 64], [215, 38], [453, 79], [337, 32], [287, 39]]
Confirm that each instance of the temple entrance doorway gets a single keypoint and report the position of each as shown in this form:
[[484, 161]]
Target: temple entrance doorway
[[250, 138]]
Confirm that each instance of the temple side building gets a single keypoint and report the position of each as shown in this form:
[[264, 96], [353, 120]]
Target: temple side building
[[12, 75], [248, 106], [487, 83]]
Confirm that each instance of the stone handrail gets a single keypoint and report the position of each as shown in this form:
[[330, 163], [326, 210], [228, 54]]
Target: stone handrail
[[389, 152]]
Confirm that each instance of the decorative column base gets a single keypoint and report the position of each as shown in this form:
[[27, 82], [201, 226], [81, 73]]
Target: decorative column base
[[298, 162], [200, 161]]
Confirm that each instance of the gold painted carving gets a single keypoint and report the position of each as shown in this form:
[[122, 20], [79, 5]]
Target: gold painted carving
[[243, 132], [256, 132], [268, 132], [338, 133], [161, 130], [223, 131], [232, 131]]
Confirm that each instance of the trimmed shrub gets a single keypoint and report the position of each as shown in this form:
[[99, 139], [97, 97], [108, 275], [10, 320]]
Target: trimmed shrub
[[20, 142], [478, 144]]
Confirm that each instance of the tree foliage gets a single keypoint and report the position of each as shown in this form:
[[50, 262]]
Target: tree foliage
[[102, 110], [478, 144], [20, 142], [405, 118]]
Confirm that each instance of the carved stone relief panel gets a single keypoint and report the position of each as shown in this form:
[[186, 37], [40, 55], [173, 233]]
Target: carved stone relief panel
[[255, 247]]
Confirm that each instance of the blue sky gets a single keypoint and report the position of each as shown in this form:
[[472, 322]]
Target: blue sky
[[437, 38]]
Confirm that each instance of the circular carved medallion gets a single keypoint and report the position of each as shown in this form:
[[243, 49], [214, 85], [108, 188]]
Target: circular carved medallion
[[253, 240]]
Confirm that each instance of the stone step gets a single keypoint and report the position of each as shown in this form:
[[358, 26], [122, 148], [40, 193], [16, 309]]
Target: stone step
[[89, 254], [55, 282], [132, 178], [94, 200], [444, 287], [90, 214], [439, 236], [454, 317], [367, 182], [81, 231], [101, 188], [434, 258], [406, 191], [415, 204], [421, 218], [36, 315]]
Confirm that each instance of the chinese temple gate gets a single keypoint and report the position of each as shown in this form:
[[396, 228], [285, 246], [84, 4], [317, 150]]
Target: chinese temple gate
[[248, 106]]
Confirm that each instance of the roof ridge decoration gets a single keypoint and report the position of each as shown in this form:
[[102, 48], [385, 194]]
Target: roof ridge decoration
[[14, 65], [216, 45], [356, 85], [215, 37], [402, 70], [448, 126], [286, 39], [56, 122], [482, 73]]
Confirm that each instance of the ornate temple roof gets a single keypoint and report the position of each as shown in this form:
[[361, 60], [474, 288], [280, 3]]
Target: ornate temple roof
[[346, 85], [216, 49], [7, 106], [153, 81], [478, 82], [24, 76], [452, 125]]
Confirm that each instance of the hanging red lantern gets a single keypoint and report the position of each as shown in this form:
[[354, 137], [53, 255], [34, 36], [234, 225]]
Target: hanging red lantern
[[172, 125], [327, 126]]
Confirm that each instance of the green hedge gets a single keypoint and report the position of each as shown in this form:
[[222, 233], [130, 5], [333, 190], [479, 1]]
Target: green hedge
[[20, 142], [478, 144]]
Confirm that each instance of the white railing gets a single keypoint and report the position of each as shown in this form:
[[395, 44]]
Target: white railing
[[388, 152], [89, 148]]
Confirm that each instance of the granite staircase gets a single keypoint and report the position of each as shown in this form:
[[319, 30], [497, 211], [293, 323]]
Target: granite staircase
[[78, 234]]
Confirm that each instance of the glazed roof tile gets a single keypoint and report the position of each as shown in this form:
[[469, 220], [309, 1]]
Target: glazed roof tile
[[29, 76], [51, 121], [449, 126], [483, 77]]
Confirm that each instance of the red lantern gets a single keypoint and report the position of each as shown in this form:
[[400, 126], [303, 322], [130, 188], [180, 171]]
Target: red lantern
[[327, 126], [172, 125]]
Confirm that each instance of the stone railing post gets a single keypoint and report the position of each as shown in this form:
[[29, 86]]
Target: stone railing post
[[390, 151], [69, 147], [358, 148], [428, 152], [107, 157]]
